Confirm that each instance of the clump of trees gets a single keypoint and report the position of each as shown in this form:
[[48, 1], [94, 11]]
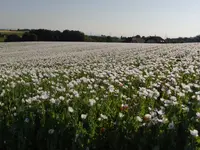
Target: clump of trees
[[47, 35], [29, 37], [66, 35], [183, 39], [102, 38], [13, 38]]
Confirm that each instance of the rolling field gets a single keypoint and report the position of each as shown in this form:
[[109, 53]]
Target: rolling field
[[99, 96], [2, 39], [8, 32]]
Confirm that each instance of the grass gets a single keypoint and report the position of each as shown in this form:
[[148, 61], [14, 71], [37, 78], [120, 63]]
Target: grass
[[8, 32], [2, 39]]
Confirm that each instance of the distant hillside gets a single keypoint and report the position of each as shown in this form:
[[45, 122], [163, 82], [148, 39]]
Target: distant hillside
[[4, 33]]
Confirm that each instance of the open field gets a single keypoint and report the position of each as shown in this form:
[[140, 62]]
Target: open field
[[8, 32], [2, 39], [99, 96]]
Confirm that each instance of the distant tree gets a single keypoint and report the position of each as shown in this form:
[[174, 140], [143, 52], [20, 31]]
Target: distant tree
[[197, 38], [108, 39], [29, 37], [116, 39], [128, 40], [143, 37], [43, 34], [67, 35], [88, 39], [56, 35], [23, 29], [101, 38], [13, 38], [138, 36]]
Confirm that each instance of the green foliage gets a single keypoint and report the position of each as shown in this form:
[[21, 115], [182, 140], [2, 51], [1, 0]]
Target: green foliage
[[43, 124], [13, 38], [2, 39], [101, 38], [66, 35], [5, 33], [29, 37]]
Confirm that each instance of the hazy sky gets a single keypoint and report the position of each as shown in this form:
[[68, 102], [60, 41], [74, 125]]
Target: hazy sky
[[170, 18]]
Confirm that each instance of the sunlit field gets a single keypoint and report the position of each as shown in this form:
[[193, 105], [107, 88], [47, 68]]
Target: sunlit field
[[85, 96], [8, 32]]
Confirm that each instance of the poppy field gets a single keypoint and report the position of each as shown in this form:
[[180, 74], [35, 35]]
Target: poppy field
[[95, 96]]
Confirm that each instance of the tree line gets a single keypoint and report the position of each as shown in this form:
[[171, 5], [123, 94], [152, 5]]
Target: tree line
[[183, 39], [50, 35], [78, 36], [47, 35]]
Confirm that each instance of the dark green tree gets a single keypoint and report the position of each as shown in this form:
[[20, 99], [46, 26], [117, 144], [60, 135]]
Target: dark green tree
[[29, 37], [13, 38]]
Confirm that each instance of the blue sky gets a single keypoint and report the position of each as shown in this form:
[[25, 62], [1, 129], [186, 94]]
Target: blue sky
[[171, 18]]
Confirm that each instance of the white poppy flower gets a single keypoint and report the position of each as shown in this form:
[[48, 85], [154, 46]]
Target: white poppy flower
[[70, 109], [83, 116], [121, 115], [51, 131], [198, 115], [26, 120], [171, 125], [139, 119], [103, 116], [147, 117], [92, 102], [44, 96], [194, 133]]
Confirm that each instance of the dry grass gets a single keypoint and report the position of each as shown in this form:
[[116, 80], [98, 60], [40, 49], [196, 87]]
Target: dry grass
[[8, 32]]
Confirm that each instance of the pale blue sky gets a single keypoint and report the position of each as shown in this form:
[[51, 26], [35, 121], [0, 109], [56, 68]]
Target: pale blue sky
[[171, 18]]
